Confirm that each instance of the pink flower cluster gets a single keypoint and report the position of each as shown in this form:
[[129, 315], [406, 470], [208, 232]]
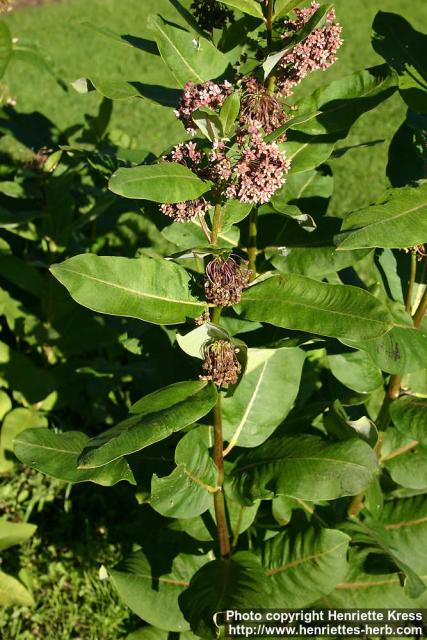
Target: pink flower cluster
[[186, 153], [259, 172], [317, 51], [208, 94]]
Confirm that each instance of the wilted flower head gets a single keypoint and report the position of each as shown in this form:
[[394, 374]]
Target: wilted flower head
[[186, 153], [211, 14], [208, 94], [225, 280], [221, 364], [260, 171], [259, 106], [317, 51], [419, 250]]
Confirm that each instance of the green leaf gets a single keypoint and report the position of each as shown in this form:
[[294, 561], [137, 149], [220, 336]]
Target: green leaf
[[162, 413], [13, 592], [335, 107], [15, 422], [409, 415], [398, 223], [187, 57], [282, 7], [208, 123], [404, 49], [153, 633], [405, 460], [164, 182], [305, 467], [364, 590], [6, 47], [303, 566], [190, 235], [374, 537], [19, 373], [296, 302], [5, 403], [188, 491], [271, 379], [234, 583], [401, 350], [235, 211], [192, 343], [56, 454], [251, 7], [306, 152], [149, 289], [151, 594], [12, 533], [229, 113], [356, 370]]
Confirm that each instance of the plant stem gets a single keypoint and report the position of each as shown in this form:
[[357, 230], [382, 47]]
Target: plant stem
[[411, 282], [252, 241], [219, 503], [420, 312], [269, 24], [216, 315], [216, 224]]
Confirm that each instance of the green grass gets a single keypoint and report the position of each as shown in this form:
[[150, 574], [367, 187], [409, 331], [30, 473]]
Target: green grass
[[360, 175]]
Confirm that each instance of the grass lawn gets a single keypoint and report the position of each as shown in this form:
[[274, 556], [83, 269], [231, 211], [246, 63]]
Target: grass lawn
[[360, 174]]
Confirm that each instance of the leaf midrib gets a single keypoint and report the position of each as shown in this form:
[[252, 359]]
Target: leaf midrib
[[180, 55], [298, 459], [135, 292], [295, 563]]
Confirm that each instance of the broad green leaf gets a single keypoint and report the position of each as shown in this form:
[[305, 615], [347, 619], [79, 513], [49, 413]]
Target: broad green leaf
[[13, 592], [356, 370], [404, 49], [6, 47], [307, 184], [401, 350], [335, 107], [364, 590], [398, 223], [251, 7], [234, 583], [271, 379], [153, 595], [305, 467], [14, 423], [208, 123], [405, 460], [405, 524], [57, 454], [304, 566], [340, 427], [164, 182], [153, 633], [193, 342], [19, 373], [170, 410], [187, 57], [12, 533], [305, 152], [188, 491], [234, 212], [154, 290], [296, 302], [409, 415], [119, 89], [312, 261], [22, 274], [373, 537]]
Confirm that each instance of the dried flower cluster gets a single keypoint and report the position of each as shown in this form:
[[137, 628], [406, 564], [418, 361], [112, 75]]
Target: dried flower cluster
[[207, 94], [419, 250], [260, 107], [317, 51], [187, 154], [225, 280], [221, 364], [5, 5], [211, 14]]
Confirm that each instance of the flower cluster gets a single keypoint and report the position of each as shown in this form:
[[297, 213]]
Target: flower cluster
[[260, 107], [211, 14], [207, 94], [259, 172], [317, 51], [225, 280], [221, 364], [186, 153]]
